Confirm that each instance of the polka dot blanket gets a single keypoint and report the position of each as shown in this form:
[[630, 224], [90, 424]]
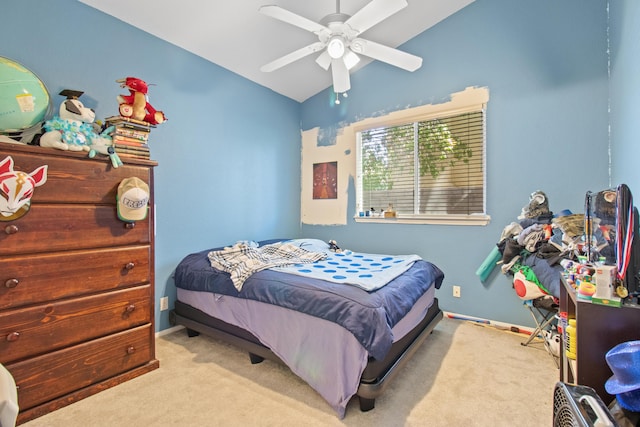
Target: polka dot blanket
[[367, 271]]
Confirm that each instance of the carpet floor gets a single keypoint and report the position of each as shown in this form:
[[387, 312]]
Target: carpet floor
[[465, 374]]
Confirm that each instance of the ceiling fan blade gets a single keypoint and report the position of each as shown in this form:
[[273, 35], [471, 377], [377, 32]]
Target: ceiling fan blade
[[324, 60], [386, 54], [373, 13], [341, 82], [291, 18], [291, 57]]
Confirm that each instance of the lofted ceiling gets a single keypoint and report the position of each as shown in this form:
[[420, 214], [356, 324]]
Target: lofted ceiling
[[235, 36]]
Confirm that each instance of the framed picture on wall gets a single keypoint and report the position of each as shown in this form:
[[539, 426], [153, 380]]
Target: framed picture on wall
[[325, 180]]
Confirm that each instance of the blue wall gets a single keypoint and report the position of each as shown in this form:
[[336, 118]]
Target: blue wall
[[221, 178], [625, 93], [229, 155], [545, 65]]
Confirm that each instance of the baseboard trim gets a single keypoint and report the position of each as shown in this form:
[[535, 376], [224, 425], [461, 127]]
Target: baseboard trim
[[488, 322], [169, 331]]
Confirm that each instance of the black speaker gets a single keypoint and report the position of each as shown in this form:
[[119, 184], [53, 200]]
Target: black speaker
[[579, 406]]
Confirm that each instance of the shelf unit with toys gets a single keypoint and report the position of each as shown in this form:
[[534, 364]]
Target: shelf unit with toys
[[599, 328]]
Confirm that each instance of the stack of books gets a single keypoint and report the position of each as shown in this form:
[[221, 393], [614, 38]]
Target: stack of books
[[130, 137]]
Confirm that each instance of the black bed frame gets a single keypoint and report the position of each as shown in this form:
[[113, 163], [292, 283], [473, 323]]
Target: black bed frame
[[375, 377]]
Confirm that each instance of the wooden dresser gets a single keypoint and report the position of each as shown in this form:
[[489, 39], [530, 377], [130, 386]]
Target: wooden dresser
[[76, 283]]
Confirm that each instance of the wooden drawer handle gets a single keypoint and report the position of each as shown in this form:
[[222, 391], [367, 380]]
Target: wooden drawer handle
[[13, 336], [130, 225], [11, 229], [130, 308], [130, 266], [11, 283], [131, 349]]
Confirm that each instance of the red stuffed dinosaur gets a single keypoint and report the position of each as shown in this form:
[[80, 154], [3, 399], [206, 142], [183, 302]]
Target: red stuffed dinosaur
[[135, 104]]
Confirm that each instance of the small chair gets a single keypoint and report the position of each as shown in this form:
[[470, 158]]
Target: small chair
[[543, 310], [8, 399]]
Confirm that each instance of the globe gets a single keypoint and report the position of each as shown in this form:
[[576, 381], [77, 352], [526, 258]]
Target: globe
[[24, 99]]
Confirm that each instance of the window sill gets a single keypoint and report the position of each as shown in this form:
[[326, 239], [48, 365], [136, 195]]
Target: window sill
[[428, 219]]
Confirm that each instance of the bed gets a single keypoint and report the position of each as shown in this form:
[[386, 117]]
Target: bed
[[344, 339]]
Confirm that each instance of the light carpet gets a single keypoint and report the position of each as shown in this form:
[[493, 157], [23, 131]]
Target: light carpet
[[465, 374]]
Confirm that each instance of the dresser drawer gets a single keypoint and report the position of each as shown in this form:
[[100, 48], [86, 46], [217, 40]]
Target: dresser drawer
[[73, 178], [34, 330], [26, 279], [55, 374], [48, 228]]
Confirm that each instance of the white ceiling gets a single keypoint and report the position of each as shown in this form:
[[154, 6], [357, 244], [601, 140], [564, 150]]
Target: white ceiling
[[234, 35]]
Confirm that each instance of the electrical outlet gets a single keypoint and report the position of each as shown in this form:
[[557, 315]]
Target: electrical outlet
[[456, 291], [164, 303]]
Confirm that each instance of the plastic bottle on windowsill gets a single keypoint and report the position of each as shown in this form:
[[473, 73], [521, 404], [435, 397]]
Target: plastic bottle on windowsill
[[390, 213]]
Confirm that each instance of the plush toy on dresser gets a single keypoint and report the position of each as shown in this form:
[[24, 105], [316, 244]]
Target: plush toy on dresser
[[74, 130], [135, 105]]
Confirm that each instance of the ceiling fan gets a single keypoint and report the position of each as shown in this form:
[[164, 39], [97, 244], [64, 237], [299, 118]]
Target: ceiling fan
[[338, 38]]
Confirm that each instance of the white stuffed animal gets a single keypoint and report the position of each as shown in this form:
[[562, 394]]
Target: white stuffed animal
[[73, 130]]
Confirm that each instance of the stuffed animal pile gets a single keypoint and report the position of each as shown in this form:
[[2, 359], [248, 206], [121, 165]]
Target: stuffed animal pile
[[74, 128]]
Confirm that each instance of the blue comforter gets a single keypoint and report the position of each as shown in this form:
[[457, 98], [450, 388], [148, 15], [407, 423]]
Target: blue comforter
[[369, 316]]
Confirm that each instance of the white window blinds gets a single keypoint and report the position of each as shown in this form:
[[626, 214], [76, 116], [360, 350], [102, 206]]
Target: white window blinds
[[424, 167]]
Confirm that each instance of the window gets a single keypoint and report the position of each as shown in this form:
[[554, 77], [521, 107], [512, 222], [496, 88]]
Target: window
[[430, 167]]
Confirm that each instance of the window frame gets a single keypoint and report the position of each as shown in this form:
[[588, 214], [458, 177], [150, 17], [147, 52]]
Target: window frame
[[471, 100]]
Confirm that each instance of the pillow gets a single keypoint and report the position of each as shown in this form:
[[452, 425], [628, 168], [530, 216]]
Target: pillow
[[311, 245], [248, 243]]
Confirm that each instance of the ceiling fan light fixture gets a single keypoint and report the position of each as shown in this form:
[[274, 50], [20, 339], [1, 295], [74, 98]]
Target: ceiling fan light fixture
[[356, 46], [324, 60], [336, 47], [350, 59]]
